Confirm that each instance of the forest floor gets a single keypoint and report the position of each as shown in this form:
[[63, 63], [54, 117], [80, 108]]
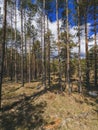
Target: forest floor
[[33, 108]]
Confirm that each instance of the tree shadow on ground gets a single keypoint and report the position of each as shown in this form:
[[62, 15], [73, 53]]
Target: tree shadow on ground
[[25, 115], [12, 90], [53, 89], [97, 105], [91, 100], [56, 88]]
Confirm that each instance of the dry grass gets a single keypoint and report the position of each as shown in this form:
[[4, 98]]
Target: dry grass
[[33, 108]]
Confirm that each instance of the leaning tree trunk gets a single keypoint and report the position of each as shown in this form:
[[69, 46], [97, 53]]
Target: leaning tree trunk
[[2, 48]]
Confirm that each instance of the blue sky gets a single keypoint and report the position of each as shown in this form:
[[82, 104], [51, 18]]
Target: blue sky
[[72, 24], [72, 15]]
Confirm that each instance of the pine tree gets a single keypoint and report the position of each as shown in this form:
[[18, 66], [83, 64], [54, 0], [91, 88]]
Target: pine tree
[[58, 44], [79, 52], [22, 55], [68, 51], [2, 48]]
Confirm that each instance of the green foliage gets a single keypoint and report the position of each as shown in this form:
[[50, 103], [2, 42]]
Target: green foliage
[[31, 31], [92, 57], [54, 67]]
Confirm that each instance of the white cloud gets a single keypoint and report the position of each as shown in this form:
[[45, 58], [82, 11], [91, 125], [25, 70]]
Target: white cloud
[[53, 28], [75, 39]]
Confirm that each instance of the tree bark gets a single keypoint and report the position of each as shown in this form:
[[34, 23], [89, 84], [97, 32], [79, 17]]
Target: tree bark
[[86, 50], [95, 47], [16, 78], [68, 50], [22, 55], [11, 65], [30, 60], [79, 52], [44, 47], [58, 44], [2, 49], [25, 42], [48, 34]]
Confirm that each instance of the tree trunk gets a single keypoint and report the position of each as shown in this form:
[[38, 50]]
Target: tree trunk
[[44, 47], [86, 50], [30, 60], [79, 53], [48, 52], [16, 79], [95, 47], [2, 48], [25, 42], [68, 50], [22, 57], [58, 44], [11, 53], [35, 72], [6, 60]]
